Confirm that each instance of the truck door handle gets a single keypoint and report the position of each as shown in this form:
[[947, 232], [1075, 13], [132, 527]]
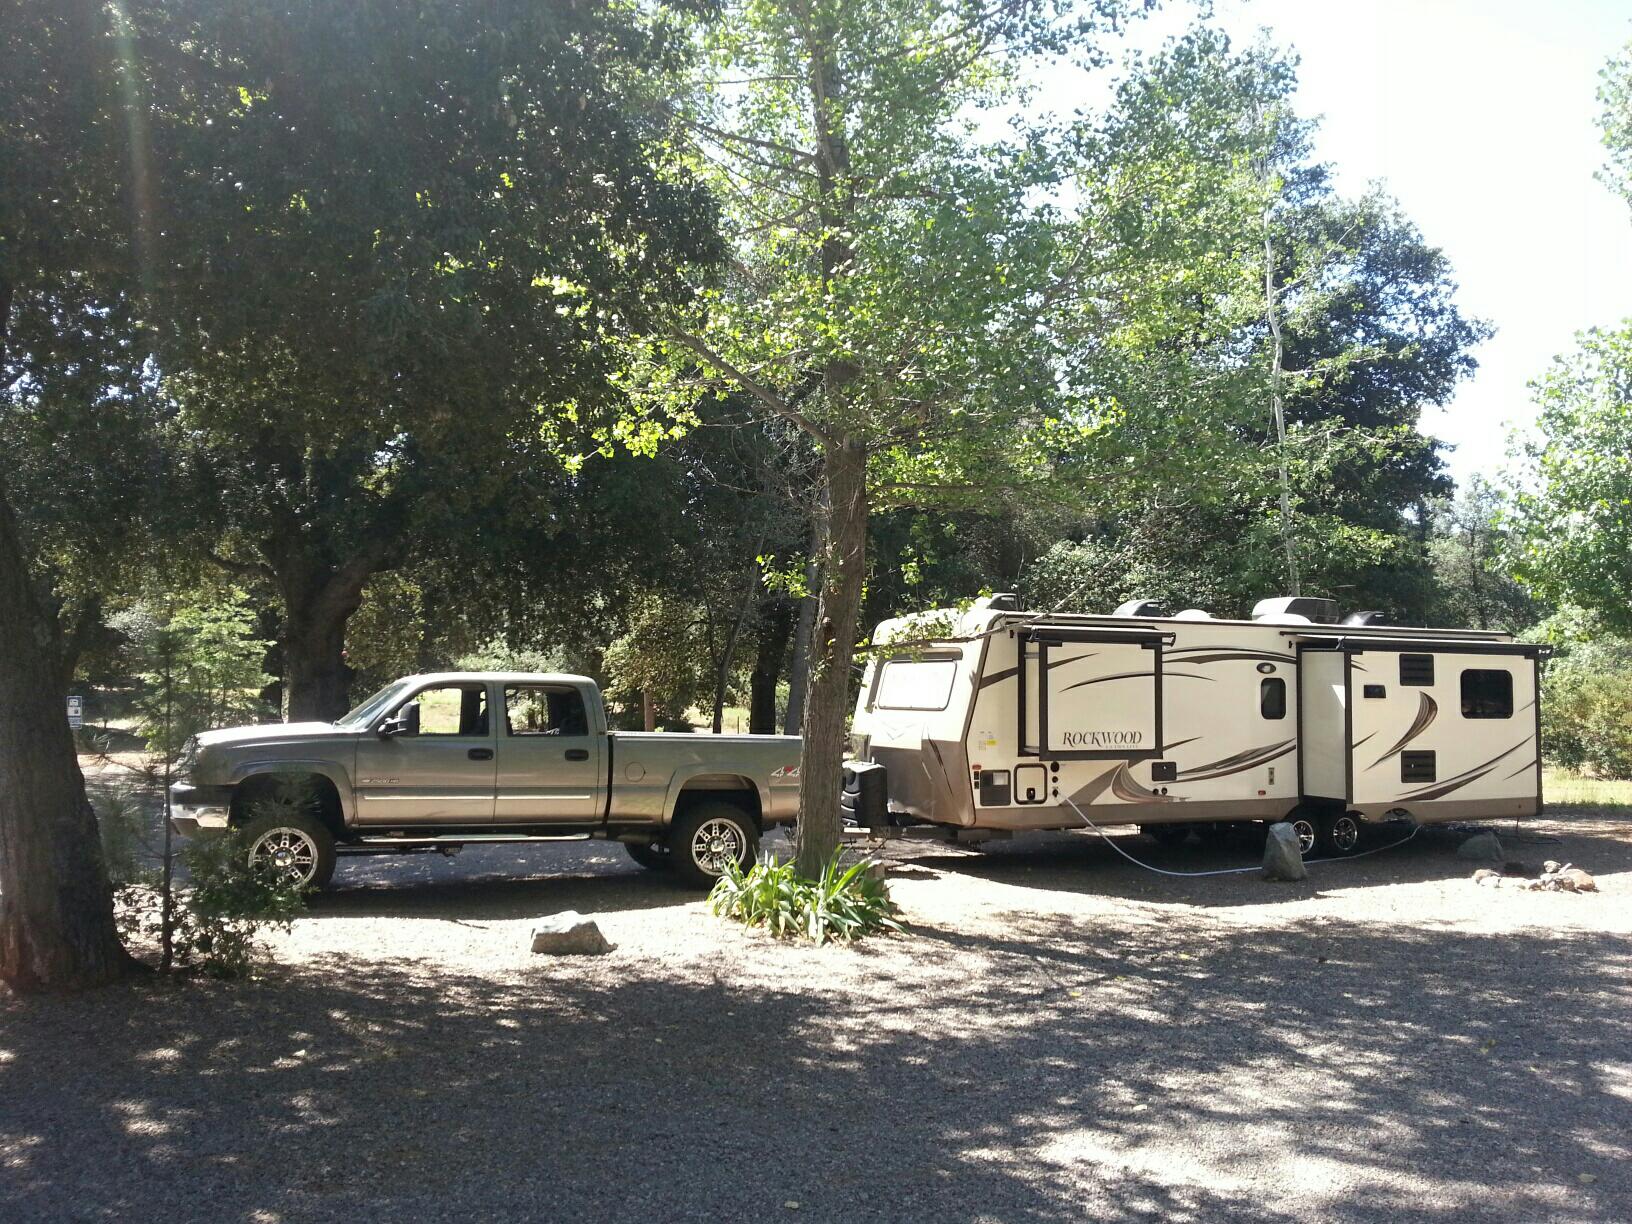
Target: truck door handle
[[577, 754], [480, 754]]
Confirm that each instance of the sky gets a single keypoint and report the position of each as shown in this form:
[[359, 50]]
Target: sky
[[1481, 118]]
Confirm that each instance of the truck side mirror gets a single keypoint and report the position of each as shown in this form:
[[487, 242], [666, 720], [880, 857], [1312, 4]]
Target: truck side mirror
[[405, 723]]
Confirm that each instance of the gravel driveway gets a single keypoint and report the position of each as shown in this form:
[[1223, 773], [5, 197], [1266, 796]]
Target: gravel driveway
[[1062, 1037]]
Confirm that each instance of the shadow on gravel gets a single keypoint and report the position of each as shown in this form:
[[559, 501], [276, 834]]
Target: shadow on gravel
[[1057, 1073], [498, 899], [1079, 862]]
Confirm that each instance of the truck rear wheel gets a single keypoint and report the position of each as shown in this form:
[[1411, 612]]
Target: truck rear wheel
[[654, 856], [708, 836]]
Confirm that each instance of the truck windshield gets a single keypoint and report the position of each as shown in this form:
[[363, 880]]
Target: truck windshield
[[373, 707]]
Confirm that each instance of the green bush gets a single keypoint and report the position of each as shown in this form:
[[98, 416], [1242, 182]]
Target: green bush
[[219, 914], [846, 903], [1587, 708]]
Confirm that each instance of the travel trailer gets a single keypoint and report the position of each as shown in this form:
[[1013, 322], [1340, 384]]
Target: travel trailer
[[994, 720]]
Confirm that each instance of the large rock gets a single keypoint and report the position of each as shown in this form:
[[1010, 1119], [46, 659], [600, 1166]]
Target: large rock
[[1481, 848], [569, 934], [1282, 858]]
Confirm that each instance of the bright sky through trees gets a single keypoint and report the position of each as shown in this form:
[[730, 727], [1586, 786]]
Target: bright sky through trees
[[1481, 118]]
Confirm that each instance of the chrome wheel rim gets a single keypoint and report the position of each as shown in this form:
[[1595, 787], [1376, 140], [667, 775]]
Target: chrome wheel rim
[[1305, 831], [717, 844], [1345, 833], [289, 856]]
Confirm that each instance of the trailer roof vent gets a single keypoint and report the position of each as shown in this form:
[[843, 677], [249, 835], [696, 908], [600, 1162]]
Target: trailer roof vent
[[1140, 607], [1306, 608], [1193, 614], [1366, 618]]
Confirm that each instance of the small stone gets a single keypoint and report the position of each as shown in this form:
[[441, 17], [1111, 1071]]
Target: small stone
[[569, 933], [1551, 867], [1485, 873], [1481, 848], [1283, 860], [1576, 880], [1586, 1179]]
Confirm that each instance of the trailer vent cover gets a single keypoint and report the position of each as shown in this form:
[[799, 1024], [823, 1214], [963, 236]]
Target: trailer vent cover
[[1418, 767]]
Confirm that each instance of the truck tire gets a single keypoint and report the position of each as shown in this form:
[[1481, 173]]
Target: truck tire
[[704, 836], [296, 847], [654, 856]]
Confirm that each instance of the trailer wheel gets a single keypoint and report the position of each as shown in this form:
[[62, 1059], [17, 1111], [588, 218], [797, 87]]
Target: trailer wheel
[[1340, 834], [654, 856], [1168, 835], [1306, 830], [706, 837]]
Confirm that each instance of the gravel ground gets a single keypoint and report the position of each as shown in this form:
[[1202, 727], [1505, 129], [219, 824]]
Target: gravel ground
[[1062, 1037]]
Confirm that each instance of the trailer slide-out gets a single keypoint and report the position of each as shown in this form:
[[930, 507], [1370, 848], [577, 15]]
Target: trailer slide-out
[[990, 719]]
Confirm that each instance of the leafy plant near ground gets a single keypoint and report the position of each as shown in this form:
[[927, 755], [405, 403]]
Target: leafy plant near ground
[[221, 915], [844, 903]]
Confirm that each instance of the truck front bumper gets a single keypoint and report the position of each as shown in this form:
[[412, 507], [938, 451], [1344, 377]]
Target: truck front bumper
[[199, 811]]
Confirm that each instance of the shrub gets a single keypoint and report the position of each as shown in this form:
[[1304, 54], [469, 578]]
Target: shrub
[[1587, 708], [845, 903], [219, 916]]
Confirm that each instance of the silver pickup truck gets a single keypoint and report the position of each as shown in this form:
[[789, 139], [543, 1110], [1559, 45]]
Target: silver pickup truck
[[436, 762]]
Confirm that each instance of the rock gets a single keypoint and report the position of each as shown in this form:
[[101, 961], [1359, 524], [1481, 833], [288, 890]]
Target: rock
[[1486, 876], [1481, 848], [1551, 867], [1575, 880], [569, 933], [1282, 859]]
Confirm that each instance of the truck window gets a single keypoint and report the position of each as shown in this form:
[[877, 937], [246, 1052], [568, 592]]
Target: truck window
[[915, 684], [453, 709], [1487, 693], [537, 709], [1272, 698]]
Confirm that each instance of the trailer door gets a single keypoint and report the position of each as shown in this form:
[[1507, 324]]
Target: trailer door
[[1089, 693]]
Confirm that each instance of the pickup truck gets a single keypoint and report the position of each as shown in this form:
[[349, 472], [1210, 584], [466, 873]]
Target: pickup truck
[[437, 762]]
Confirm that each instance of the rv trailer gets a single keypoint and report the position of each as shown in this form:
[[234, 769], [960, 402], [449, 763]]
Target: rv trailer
[[987, 722]]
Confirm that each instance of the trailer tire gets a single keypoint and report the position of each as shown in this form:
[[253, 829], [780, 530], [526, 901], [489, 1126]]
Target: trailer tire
[[1306, 827], [1339, 834], [654, 856], [704, 835]]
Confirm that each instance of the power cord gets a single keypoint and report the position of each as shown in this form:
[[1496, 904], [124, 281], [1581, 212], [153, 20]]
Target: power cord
[[1111, 842]]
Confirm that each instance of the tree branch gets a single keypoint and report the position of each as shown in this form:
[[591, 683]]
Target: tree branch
[[776, 403]]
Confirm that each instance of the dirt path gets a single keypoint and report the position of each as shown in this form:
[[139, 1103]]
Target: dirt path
[[1063, 1037]]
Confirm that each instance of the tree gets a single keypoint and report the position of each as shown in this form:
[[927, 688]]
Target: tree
[[900, 286], [1572, 519], [403, 245], [64, 198]]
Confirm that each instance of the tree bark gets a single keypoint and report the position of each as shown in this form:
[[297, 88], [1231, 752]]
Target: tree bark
[[775, 628], [56, 906], [799, 668], [318, 604], [844, 556]]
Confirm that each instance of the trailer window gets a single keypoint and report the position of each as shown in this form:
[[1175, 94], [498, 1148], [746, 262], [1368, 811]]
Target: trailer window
[[1487, 693], [1417, 670], [1272, 698], [915, 684]]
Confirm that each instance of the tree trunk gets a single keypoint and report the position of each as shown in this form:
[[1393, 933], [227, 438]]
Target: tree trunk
[[56, 906], [722, 668], [844, 549], [799, 668], [775, 628], [317, 607]]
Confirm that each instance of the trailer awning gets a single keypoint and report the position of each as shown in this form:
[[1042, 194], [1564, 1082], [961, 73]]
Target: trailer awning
[[1357, 644]]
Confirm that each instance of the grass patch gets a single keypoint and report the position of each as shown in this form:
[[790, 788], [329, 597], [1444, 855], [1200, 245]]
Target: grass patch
[[1561, 788], [845, 903]]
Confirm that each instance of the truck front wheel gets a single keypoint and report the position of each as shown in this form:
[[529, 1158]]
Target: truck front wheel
[[295, 849], [708, 836]]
